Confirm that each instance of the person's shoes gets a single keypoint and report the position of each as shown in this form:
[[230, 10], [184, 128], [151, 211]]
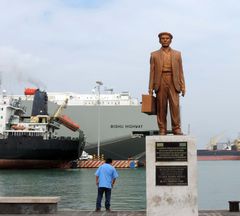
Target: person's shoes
[[97, 210], [108, 210]]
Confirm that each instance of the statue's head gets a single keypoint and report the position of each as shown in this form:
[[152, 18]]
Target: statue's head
[[165, 38]]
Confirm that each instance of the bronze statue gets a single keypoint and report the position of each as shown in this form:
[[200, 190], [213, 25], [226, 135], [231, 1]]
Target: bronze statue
[[167, 81]]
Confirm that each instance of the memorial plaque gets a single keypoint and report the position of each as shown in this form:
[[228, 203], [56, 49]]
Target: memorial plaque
[[172, 175], [171, 151]]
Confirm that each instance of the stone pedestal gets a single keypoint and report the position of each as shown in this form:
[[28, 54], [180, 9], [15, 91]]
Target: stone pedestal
[[28, 205], [171, 176]]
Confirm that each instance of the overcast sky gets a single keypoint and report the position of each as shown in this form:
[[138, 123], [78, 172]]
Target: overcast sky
[[66, 45]]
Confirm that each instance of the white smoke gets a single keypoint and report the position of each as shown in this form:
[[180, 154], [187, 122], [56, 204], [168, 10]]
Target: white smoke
[[19, 67]]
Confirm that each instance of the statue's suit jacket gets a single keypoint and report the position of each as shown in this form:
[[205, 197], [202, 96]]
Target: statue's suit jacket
[[156, 65]]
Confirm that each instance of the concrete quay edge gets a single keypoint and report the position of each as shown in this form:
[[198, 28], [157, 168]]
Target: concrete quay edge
[[67, 212], [30, 199]]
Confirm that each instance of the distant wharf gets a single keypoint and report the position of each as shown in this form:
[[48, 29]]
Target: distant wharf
[[115, 163]]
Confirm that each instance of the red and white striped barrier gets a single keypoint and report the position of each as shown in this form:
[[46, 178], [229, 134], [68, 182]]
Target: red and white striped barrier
[[115, 163]]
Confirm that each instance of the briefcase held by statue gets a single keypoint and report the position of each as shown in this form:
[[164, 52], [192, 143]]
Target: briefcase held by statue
[[149, 105]]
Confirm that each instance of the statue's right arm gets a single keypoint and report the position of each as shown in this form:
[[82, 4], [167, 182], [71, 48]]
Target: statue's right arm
[[151, 78]]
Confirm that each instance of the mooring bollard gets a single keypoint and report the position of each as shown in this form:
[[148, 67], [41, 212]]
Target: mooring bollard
[[233, 206]]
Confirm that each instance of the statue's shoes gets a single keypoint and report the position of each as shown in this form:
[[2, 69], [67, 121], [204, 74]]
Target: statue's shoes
[[162, 132], [177, 132]]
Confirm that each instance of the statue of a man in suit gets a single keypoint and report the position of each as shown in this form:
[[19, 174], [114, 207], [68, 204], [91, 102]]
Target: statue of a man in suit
[[167, 81]]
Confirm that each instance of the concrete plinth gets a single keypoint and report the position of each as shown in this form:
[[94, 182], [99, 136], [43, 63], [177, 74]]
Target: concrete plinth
[[28, 205], [171, 176]]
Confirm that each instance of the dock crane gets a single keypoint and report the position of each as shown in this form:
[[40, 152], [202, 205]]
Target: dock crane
[[213, 141]]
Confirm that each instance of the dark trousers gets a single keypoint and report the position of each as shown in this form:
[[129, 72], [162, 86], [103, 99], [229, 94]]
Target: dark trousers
[[107, 192]]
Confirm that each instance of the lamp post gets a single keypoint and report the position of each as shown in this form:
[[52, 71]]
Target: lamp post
[[99, 84]]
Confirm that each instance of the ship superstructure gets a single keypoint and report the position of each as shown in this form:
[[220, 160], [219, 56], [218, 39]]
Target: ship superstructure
[[75, 99]]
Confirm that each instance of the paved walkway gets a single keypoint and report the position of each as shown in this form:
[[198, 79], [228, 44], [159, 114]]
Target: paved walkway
[[218, 213], [127, 213]]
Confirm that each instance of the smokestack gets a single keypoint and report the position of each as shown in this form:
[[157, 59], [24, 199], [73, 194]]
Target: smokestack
[[40, 103]]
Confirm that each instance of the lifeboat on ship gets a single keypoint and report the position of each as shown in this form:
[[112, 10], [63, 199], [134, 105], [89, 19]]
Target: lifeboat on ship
[[18, 127], [67, 122], [30, 91]]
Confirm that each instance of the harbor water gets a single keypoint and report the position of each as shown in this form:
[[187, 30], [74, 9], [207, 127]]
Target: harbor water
[[218, 182]]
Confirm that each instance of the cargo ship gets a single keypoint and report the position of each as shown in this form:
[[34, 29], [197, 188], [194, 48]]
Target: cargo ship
[[30, 141], [114, 122], [221, 151]]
